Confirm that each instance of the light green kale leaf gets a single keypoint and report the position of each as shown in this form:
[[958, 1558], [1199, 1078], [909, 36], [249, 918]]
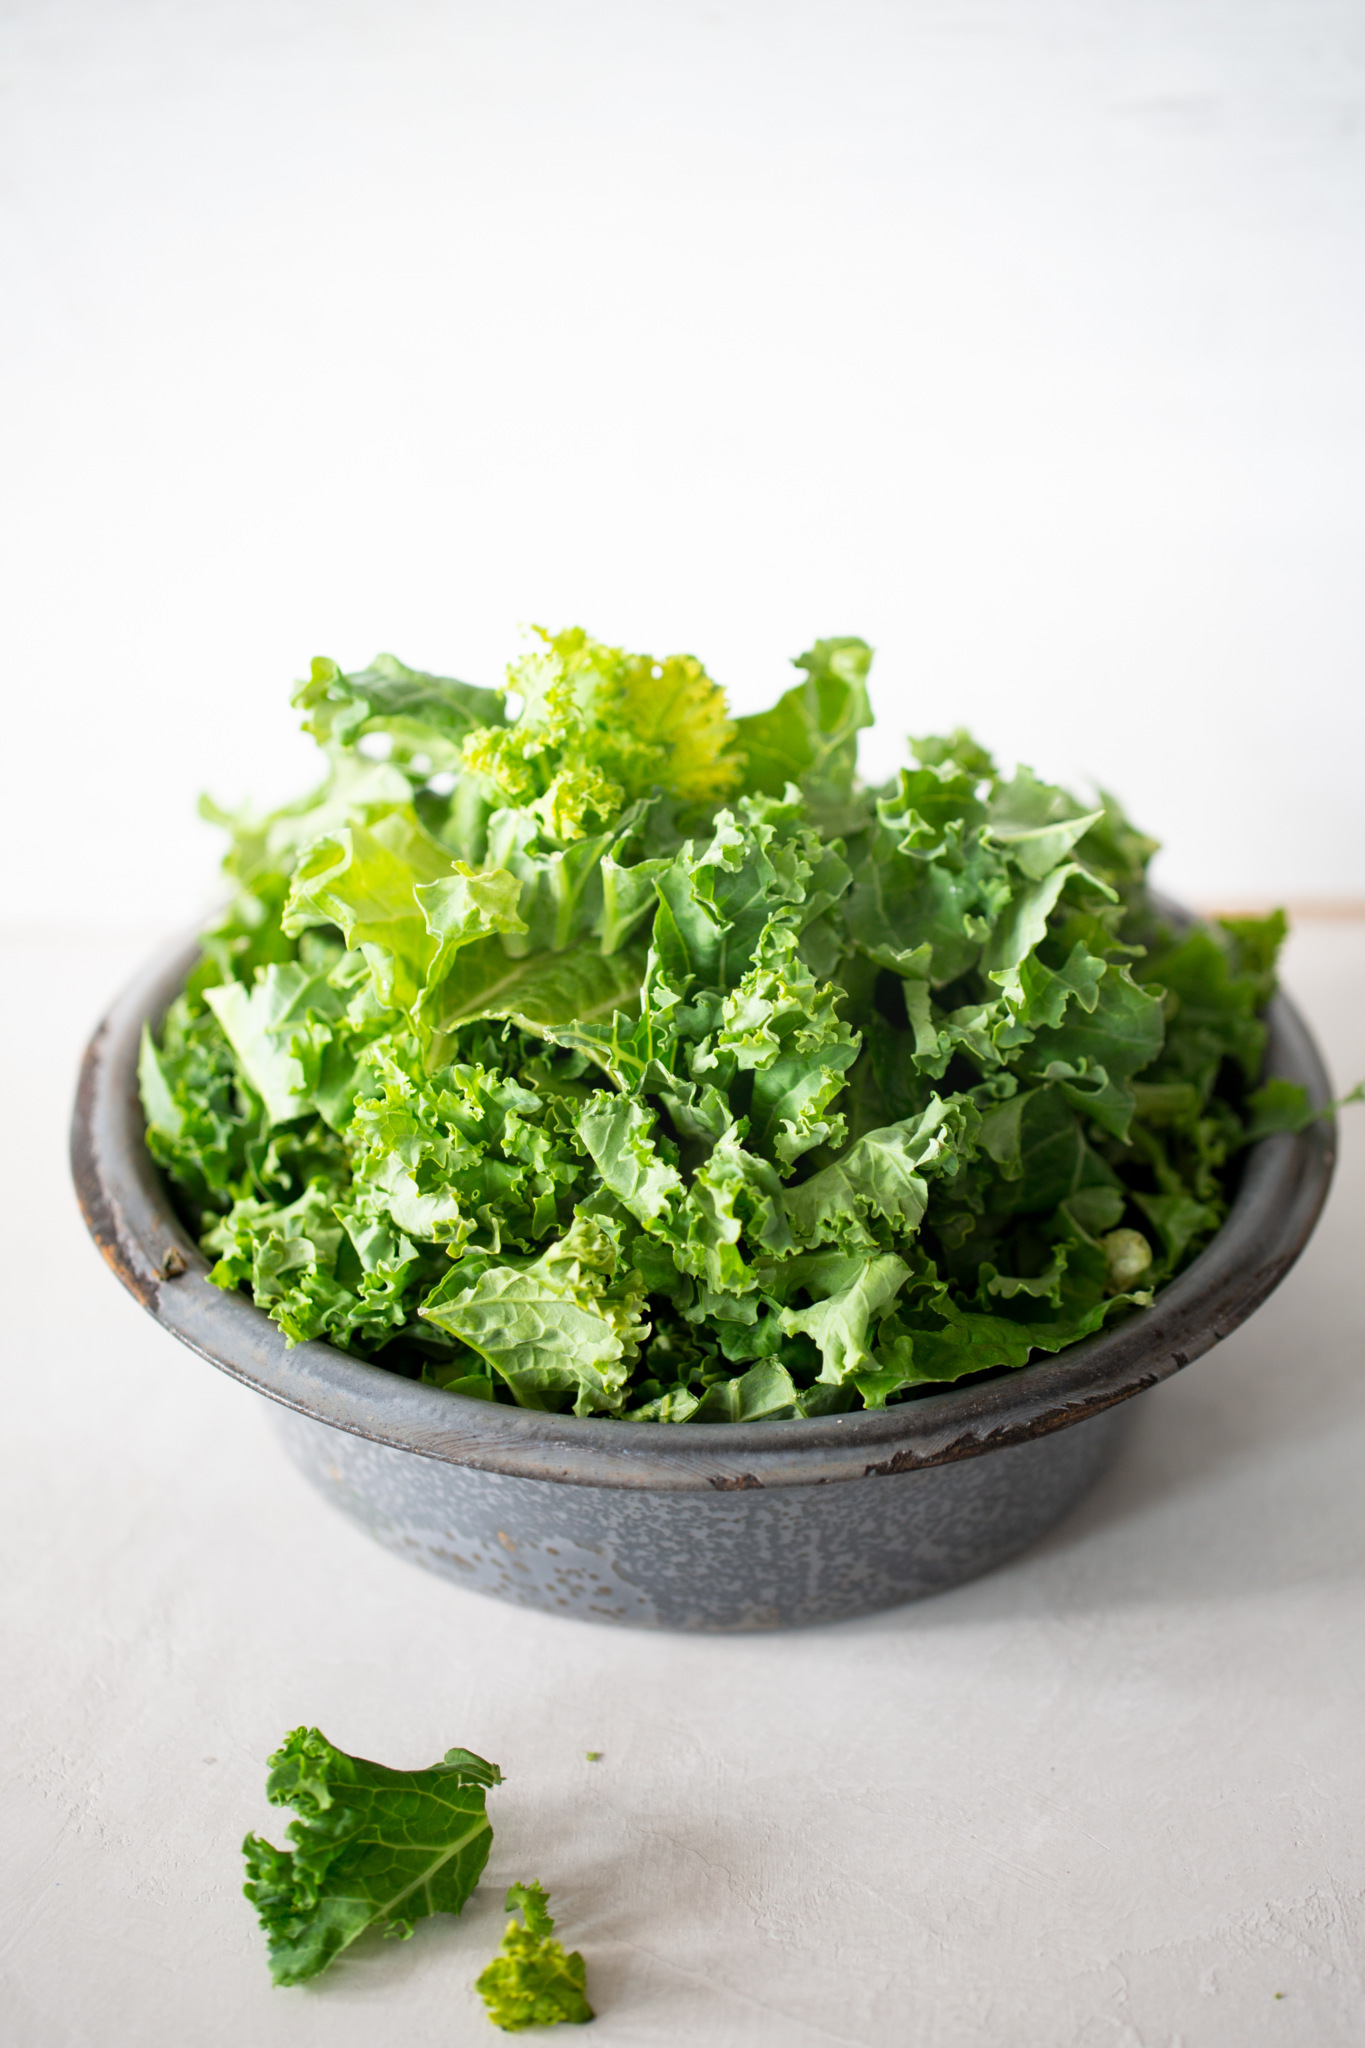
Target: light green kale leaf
[[564, 1327], [849, 1292], [1036, 822], [271, 1028], [810, 737], [928, 885], [532, 1982], [371, 1848], [783, 1026], [881, 1181], [424, 718], [564, 997], [575, 1046], [363, 879]]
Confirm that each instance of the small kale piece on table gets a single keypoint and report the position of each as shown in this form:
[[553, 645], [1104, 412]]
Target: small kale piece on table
[[532, 1982]]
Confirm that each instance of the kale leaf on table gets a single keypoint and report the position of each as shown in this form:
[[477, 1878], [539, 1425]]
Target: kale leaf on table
[[532, 1982], [579, 1047], [371, 1847]]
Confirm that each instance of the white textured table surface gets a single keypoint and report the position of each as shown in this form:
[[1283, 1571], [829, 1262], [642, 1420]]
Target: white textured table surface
[[1108, 1797]]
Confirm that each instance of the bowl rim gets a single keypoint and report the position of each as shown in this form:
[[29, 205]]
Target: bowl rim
[[128, 1211]]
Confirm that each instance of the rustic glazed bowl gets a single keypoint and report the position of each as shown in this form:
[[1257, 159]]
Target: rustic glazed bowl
[[727, 1526]]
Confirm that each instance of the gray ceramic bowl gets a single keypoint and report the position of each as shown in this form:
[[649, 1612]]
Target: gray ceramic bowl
[[732, 1526]]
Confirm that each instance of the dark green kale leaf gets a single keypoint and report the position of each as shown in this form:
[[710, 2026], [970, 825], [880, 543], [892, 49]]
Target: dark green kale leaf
[[532, 1982], [371, 1848]]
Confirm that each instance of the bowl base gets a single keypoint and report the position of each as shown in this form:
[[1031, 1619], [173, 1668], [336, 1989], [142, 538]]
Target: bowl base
[[751, 1558]]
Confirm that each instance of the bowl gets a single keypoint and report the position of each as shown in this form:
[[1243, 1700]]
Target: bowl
[[722, 1526]]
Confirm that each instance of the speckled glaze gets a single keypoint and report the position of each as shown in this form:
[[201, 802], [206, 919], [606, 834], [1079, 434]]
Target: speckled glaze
[[743, 1559], [731, 1526]]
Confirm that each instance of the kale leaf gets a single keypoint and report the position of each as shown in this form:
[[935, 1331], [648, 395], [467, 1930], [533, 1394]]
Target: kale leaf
[[532, 1982], [371, 1848], [579, 1047]]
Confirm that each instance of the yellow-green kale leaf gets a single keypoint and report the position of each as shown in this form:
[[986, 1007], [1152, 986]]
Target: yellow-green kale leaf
[[532, 1982]]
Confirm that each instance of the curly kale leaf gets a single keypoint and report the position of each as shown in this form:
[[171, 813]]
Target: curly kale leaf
[[532, 1982], [810, 736], [420, 717], [371, 1848], [576, 1047]]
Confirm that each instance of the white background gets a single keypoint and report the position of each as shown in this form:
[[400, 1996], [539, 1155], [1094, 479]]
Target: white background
[[1021, 336]]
